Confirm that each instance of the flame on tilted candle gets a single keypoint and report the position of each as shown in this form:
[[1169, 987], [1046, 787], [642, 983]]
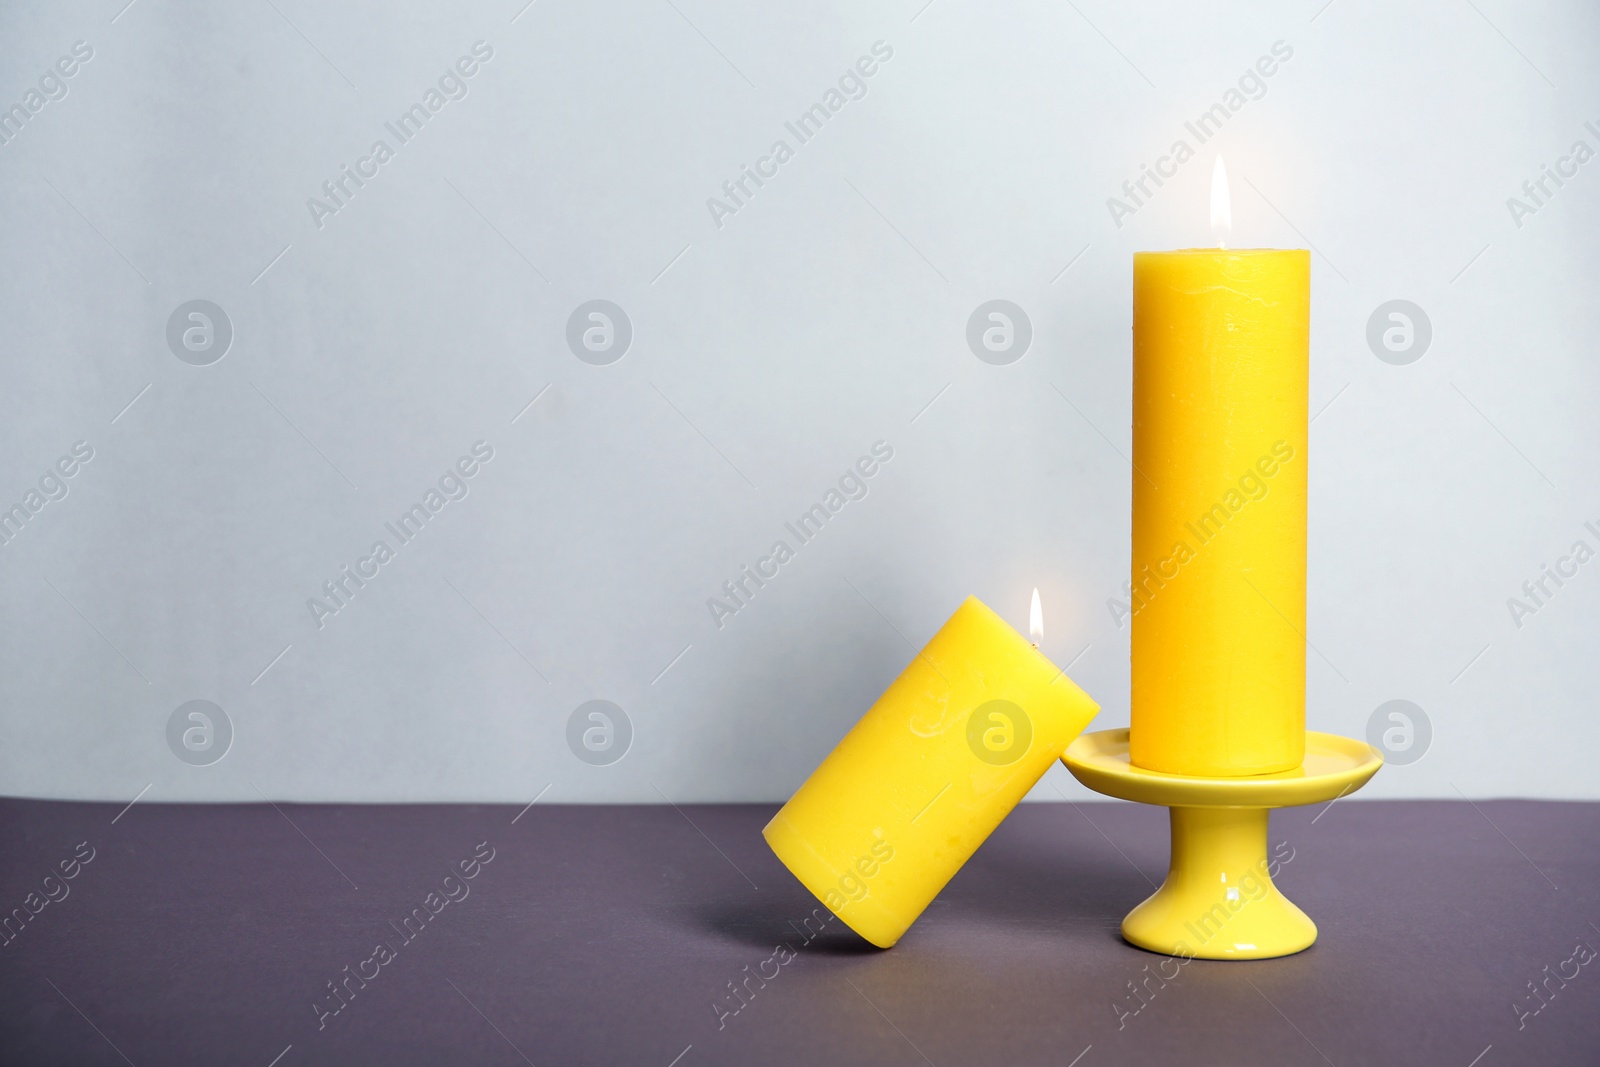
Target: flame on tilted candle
[[1221, 205], [1035, 621]]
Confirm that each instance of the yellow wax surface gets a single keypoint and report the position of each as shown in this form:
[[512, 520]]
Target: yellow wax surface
[[1221, 346], [918, 784]]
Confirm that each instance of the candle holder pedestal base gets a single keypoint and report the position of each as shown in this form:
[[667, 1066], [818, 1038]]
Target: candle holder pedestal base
[[1218, 901]]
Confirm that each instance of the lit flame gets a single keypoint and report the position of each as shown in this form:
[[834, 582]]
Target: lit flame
[[1035, 621], [1221, 205]]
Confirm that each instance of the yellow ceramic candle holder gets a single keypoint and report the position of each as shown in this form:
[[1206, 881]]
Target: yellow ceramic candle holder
[[1218, 902]]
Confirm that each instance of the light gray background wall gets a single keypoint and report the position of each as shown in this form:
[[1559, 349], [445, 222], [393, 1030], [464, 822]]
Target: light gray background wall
[[768, 353]]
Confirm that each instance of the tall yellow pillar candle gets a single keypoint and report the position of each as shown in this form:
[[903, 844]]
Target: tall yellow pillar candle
[[1221, 343], [918, 784]]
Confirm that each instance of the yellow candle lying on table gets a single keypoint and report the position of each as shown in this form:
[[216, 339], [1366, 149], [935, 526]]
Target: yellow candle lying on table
[[1221, 343], [930, 770]]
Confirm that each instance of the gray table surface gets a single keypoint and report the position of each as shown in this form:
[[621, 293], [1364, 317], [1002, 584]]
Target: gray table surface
[[608, 935]]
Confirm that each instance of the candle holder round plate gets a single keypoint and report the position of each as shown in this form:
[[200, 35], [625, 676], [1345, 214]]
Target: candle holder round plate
[[1218, 901]]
